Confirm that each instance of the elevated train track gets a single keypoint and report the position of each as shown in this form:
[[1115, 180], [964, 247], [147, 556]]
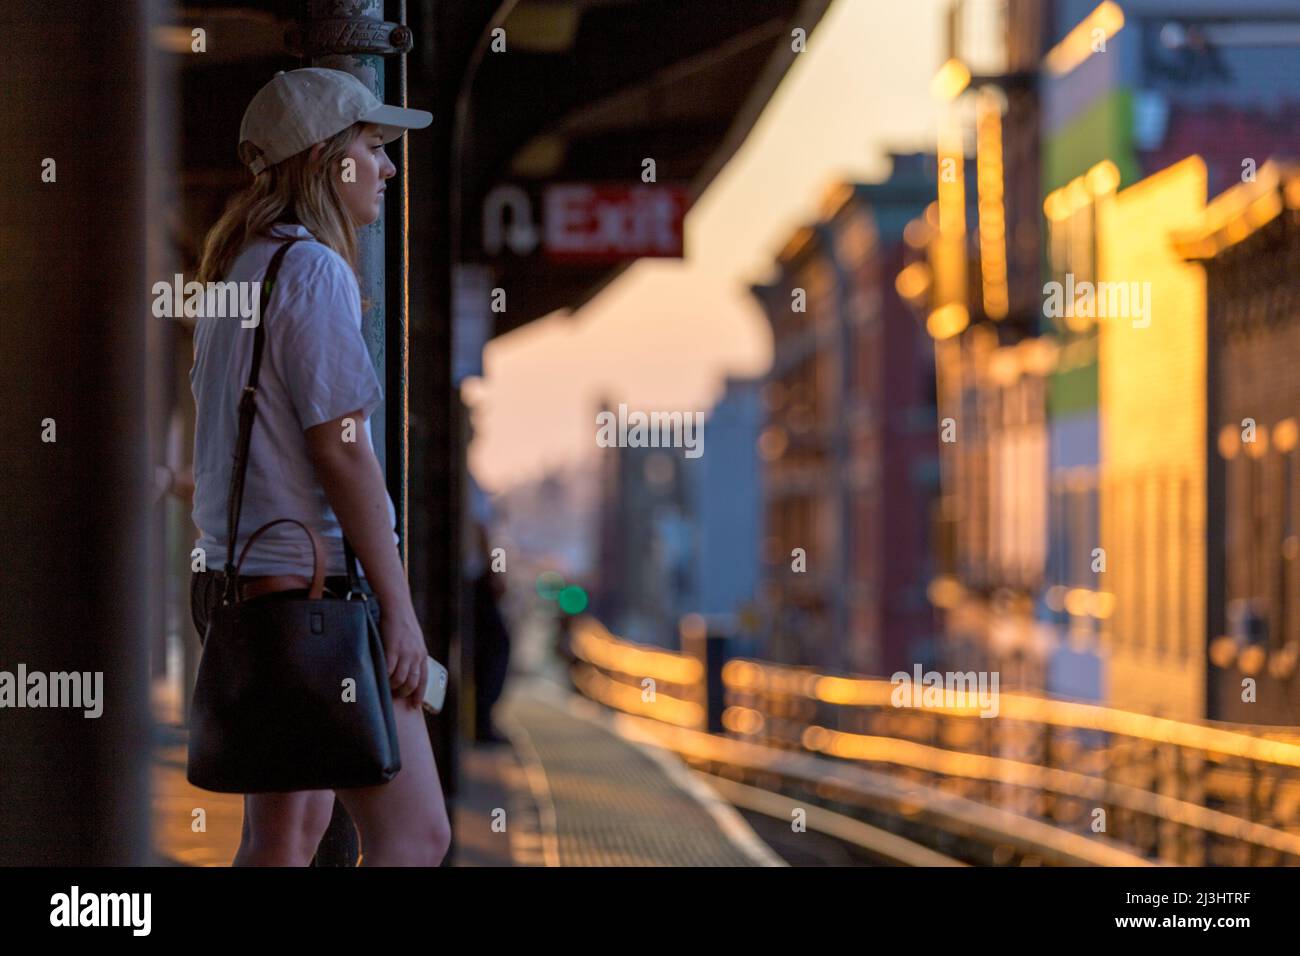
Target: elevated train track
[[1046, 781]]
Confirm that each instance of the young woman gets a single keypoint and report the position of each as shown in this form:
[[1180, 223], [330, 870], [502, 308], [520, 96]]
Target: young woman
[[314, 140]]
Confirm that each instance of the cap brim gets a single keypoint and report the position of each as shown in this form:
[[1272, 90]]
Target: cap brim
[[396, 120]]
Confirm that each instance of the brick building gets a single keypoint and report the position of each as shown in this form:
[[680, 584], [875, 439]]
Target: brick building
[[848, 441], [976, 283], [1249, 243]]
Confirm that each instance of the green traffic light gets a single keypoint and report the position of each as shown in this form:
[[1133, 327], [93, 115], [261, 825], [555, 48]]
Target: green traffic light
[[573, 600]]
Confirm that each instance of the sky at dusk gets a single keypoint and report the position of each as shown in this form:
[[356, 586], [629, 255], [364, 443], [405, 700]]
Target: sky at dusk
[[665, 334]]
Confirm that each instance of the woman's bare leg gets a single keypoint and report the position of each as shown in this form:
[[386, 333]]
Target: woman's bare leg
[[403, 822], [283, 829]]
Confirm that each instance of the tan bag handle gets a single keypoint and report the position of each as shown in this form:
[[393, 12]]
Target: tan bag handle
[[317, 568]]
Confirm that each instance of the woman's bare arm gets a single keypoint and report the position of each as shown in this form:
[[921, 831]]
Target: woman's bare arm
[[354, 484]]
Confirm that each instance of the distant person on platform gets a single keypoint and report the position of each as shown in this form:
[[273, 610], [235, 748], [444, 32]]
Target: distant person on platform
[[490, 637]]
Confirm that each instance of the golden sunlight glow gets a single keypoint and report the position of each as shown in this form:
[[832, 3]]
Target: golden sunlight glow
[[593, 643], [1284, 435], [945, 591], [1237, 213], [917, 233], [1259, 447], [947, 321], [1251, 660], [778, 700], [952, 190], [1054, 206], [1229, 441], [1038, 355], [948, 254], [952, 78], [1282, 662], [1154, 344], [1103, 178], [867, 692], [1103, 605], [913, 282], [1292, 193], [743, 720], [952, 763], [1077, 195], [1004, 366], [1078, 602], [1102, 24], [992, 211], [1223, 651], [627, 698]]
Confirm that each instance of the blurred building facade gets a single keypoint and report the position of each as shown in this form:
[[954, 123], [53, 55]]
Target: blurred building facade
[[727, 512], [1134, 90], [676, 535], [1152, 387], [1249, 243], [1062, 460], [641, 582], [848, 445], [974, 281]]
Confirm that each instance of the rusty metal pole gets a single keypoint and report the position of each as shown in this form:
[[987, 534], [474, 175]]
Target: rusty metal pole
[[351, 35]]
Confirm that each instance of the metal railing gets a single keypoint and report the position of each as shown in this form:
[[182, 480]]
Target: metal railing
[[1145, 787]]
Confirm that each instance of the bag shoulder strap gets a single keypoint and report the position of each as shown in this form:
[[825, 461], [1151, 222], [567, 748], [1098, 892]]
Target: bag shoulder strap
[[247, 412]]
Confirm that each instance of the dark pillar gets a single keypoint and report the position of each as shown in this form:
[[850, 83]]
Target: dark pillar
[[75, 536], [435, 446], [447, 35]]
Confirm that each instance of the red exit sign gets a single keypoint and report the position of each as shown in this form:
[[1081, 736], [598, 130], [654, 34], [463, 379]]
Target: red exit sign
[[612, 223]]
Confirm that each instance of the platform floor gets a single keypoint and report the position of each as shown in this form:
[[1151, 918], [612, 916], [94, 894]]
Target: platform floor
[[594, 798], [566, 791]]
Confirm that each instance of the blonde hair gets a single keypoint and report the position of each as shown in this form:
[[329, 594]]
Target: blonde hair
[[304, 185]]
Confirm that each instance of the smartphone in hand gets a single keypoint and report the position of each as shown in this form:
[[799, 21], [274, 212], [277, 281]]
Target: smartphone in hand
[[435, 687]]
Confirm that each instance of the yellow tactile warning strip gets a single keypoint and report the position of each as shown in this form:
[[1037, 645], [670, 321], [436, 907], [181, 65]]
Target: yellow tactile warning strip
[[600, 800]]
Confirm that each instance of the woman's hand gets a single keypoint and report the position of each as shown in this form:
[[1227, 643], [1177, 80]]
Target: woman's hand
[[354, 484], [407, 657]]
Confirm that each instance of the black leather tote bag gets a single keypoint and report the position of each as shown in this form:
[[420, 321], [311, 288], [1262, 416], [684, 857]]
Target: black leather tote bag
[[292, 693]]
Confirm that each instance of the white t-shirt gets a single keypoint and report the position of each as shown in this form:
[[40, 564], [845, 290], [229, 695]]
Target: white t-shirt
[[315, 368]]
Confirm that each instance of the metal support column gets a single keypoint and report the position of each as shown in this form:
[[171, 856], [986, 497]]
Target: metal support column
[[352, 36], [75, 476]]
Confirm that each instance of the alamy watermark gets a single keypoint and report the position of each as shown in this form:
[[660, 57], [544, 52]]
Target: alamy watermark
[[199, 300], [75, 908], [651, 430], [948, 690], [75, 689], [1098, 300]]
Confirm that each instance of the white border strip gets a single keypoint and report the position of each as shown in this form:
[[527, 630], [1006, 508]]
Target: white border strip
[[538, 785]]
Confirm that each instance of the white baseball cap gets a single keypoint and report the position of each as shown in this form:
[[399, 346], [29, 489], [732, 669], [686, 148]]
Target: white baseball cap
[[301, 108]]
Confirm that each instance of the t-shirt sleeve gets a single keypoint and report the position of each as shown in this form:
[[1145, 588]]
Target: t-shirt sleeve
[[315, 332]]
